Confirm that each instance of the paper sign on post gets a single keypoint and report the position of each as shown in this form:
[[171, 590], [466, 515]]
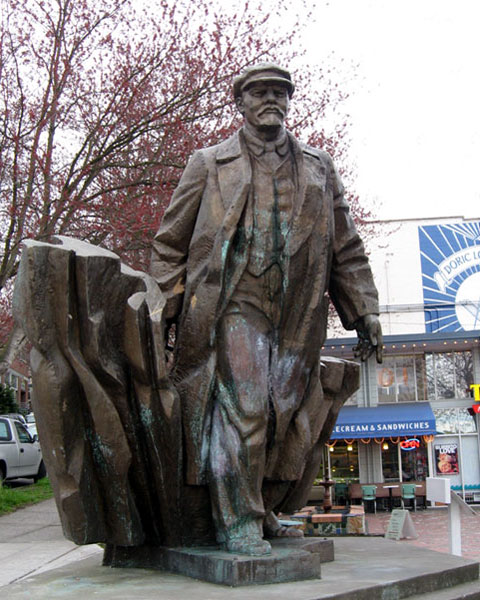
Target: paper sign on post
[[400, 525], [438, 489]]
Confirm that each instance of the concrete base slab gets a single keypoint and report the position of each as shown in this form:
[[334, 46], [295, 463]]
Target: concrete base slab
[[364, 569], [30, 556], [292, 559]]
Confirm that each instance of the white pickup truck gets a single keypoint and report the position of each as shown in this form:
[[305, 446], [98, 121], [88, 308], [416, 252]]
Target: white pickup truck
[[20, 453]]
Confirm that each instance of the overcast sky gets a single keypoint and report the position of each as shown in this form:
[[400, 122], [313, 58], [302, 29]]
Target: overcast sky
[[415, 102]]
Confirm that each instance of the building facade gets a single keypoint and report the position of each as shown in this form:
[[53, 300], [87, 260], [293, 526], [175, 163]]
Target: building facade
[[414, 415], [18, 378]]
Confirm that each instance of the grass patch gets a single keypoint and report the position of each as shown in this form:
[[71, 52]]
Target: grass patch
[[13, 498]]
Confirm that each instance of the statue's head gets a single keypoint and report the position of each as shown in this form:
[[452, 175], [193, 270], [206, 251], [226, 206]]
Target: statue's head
[[262, 94], [262, 72]]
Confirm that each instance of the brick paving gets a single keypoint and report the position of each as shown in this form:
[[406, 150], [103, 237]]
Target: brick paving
[[432, 529]]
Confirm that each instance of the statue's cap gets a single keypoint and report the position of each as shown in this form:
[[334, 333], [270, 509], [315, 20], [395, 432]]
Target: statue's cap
[[264, 72]]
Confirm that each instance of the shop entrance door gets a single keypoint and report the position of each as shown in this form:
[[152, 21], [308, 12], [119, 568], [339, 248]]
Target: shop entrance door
[[405, 464]]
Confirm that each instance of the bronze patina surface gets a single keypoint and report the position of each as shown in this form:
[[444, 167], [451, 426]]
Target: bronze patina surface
[[257, 235], [143, 454]]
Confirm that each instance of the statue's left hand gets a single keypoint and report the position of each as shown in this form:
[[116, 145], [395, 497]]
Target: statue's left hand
[[370, 338]]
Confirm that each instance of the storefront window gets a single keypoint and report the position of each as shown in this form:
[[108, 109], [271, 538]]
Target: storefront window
[[401, 379], [445, 420], [444, 375], [390, 463], [430, 376], [344, 462], [463, 373], [466, 421], [413, 463], [421, 378], [405, 379], [454, 420], [449, 375]]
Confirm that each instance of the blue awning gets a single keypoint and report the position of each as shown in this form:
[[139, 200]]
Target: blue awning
[[385, 420]]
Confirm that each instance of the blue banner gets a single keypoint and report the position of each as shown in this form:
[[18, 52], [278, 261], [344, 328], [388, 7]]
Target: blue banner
[[450, 259], [385, 420]]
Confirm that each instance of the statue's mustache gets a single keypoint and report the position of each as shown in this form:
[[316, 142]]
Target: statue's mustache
[[272, 109]]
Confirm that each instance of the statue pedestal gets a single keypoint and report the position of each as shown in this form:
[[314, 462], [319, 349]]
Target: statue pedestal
[[292, 559]]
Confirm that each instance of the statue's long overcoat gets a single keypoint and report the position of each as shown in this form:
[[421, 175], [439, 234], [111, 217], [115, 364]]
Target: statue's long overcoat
[[197, 262]]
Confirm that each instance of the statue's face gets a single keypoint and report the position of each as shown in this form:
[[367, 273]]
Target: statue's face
[[264, 105]]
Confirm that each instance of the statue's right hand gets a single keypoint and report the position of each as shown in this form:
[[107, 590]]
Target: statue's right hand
[[370, 338]]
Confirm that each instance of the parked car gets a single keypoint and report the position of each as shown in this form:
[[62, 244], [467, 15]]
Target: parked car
[[16, 416], [20, 452], [31, 423], [30, 418]]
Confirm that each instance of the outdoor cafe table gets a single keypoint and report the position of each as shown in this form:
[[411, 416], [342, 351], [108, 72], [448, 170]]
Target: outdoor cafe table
[[390, 498]]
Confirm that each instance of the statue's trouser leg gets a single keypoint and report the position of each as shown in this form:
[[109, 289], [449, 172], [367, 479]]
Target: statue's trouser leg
[[239, 426], [273, 493]]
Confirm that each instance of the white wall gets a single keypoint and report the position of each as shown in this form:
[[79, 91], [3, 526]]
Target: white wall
[[395, 262]]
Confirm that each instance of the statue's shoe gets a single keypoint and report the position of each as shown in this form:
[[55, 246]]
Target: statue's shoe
[[273, 528], [282, 531], [253, 546]]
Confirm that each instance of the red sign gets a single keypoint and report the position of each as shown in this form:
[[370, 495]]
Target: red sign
[[410, 444], [476, 408]]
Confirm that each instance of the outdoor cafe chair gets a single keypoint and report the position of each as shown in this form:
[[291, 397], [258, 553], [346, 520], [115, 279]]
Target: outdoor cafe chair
[[369, 494], [408, 493], [341, 494]]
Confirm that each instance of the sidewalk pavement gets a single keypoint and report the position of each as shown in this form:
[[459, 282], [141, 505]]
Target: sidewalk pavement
[[432, 528], [32, 543]]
